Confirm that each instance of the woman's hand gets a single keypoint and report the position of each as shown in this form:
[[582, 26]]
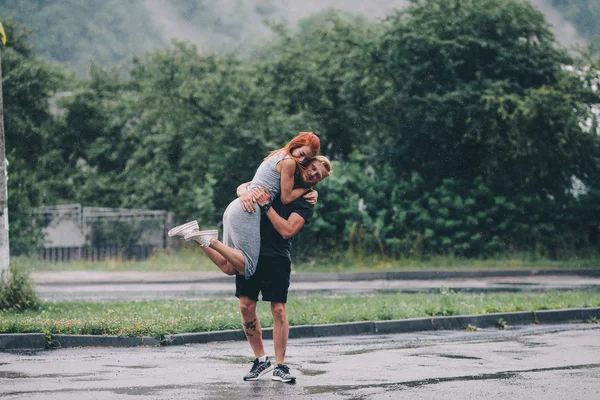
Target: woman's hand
[[261, 196], [247, 201], [311, 197]]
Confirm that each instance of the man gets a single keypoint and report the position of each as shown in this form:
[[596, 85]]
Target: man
[[279, 224]]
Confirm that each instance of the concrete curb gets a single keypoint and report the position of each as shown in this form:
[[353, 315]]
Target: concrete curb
[[37, 341], [22, 341], [400, 326], [61, 341], [358, 276]]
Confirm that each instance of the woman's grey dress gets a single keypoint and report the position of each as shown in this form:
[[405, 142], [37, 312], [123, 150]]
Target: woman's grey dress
[[241, 229]]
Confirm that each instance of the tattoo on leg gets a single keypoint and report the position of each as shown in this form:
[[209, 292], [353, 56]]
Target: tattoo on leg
[[250, 326]]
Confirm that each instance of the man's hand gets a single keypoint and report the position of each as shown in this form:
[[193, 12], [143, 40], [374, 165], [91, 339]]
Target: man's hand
[[261, 196], [311, 197], [247, 202]]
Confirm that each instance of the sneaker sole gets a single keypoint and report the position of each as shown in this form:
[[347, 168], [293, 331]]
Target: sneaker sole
[[279, 379], [210, 234], [180, 228], [267, 370]]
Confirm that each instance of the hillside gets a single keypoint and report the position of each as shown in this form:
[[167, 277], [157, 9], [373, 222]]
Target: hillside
[[112, 31]]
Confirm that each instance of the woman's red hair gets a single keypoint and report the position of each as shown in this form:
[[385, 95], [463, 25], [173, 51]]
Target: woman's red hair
[[303, 139]]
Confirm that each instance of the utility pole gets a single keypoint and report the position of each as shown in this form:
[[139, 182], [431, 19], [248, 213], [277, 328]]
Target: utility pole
[[4, 249]]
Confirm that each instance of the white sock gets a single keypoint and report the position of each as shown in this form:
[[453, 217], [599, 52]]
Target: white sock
[[263, 358]]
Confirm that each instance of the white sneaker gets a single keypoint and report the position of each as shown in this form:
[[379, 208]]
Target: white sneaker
[[202, 237], [184, 229]]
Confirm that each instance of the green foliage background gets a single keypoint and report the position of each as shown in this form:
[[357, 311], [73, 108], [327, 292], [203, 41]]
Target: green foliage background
[[454, 125]]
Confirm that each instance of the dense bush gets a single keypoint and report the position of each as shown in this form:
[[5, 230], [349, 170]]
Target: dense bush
[[17, 292]]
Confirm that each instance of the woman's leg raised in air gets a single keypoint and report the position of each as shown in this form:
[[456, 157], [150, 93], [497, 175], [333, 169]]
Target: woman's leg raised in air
[[234, 258], [220, 261]]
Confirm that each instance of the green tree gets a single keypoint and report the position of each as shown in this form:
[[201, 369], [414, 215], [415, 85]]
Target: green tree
[[28, 82], [92, 145], [476, 88], [318, 72]]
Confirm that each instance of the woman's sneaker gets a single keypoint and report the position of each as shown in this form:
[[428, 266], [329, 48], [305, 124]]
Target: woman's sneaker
[[184, 229], [281, 373], [202, 237], [259, 368]]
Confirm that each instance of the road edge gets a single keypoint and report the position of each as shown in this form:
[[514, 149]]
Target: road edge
[[356, 276]]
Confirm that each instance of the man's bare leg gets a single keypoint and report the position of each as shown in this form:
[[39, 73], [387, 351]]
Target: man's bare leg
[[252, 325], [281, 331]]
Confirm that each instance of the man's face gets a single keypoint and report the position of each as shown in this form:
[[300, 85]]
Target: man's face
[[314, 173]]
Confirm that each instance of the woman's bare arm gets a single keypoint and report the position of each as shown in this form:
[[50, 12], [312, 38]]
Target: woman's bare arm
[[242, 189], [287, 168]]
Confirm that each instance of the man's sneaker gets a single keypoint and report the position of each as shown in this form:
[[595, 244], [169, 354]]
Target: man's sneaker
[[281, 373], [202, 237], [184, 229], [258, 369]]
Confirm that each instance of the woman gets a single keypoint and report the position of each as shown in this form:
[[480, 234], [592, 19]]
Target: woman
[[239, 251]]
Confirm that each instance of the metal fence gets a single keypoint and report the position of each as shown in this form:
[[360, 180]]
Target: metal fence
[[73, 232]]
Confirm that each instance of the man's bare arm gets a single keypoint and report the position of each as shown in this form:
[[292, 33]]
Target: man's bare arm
[[287, 228]]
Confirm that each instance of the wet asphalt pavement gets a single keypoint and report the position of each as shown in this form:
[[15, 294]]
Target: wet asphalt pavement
[[531, 362], [152, 286]]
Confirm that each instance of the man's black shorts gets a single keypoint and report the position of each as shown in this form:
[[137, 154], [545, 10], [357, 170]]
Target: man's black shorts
[[272, 278]]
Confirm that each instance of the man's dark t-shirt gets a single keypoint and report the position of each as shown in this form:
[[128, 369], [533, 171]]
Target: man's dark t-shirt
[[271, 242]]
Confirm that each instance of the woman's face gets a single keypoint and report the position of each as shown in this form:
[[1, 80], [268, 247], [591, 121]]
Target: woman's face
[[303, 154]]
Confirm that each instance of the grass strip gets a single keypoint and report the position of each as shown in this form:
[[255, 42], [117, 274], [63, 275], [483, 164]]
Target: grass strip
[[187, 259], [159, 318]]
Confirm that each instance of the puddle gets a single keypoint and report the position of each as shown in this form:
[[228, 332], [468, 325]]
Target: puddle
[[320, 362], [410, 346], [130, 366], [133, 390], [310, 342], [453, 356], [21, 375], [12, 375], [66, 375], [311, 372], [518, 283], [527, 343], [233, 359], [147, 390], [432, 381], [458, 357], [355, 352], [91, 379], [407, 384]]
